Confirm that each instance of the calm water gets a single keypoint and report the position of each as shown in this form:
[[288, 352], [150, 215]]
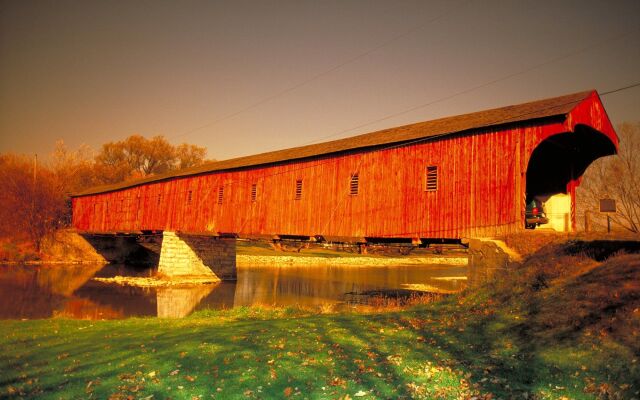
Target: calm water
[[69, 291]]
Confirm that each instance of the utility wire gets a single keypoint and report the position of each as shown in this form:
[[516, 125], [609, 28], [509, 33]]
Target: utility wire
[[480, 86], [620, 89], [319, 75]]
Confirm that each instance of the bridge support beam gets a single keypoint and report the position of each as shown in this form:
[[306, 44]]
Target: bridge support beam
[[197, 255]]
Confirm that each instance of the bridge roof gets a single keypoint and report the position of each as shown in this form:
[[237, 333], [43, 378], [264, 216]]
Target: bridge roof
[[535, 110]]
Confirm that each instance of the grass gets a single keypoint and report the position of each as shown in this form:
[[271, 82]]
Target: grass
[[560, 327]]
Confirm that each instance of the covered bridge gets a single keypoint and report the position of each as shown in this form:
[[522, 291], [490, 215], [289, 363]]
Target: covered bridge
[[450, 178]]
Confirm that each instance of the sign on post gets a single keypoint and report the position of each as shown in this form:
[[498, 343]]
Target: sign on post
[[608, 206]]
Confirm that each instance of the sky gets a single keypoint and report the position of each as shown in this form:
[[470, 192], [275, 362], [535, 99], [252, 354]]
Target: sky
[[244, 77]]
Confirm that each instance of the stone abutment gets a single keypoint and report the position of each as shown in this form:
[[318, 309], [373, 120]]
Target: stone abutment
[[197, 255], [175, 254]]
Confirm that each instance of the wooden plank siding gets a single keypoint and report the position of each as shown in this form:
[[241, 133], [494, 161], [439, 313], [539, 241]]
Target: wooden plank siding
[[480, 189]]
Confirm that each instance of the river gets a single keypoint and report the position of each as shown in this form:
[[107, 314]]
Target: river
[[68, 291]]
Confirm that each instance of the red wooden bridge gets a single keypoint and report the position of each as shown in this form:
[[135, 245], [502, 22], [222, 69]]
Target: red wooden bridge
[[451, 178]]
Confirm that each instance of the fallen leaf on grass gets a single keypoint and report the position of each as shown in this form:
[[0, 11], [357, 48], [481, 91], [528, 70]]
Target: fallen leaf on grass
[[337, 381], [126, 377], [287, 391]]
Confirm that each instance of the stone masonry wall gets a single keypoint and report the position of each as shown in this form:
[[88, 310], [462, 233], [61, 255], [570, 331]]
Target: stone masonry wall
[[195, 255], [216, 253]]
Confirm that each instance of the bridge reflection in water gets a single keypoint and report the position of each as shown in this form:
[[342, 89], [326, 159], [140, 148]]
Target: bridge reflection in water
[[67, 291]]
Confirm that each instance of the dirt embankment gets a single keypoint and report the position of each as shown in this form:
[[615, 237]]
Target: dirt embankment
[[63, 246], [527, 243], [578, 287]]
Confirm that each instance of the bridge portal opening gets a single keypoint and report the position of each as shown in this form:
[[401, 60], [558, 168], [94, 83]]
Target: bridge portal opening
[[556, 166]]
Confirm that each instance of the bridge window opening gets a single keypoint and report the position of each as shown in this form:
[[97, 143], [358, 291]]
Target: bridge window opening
[[220, 194], [254, 192], [299, 189], [353, 189], [431, 178], [189, 196]]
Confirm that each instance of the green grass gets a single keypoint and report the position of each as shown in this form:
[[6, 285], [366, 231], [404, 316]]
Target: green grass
[[572, 334]]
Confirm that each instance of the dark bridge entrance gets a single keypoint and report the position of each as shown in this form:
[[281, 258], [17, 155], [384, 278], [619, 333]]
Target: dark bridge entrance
[[558, 163]]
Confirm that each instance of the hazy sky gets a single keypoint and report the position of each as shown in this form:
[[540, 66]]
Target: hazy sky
[[242, 77]]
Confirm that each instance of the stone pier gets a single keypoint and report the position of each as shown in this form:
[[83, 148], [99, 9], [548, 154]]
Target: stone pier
[[176, 254], [197, 255]]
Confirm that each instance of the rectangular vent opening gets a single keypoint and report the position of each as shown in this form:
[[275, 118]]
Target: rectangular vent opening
[[159, 200], [353, 189], [254, 192], [299, 189], [432, 178], [189, 196], [220, 194]]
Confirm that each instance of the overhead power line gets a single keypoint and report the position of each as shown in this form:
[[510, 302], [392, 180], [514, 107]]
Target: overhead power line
[[480, 86], [621, 89], [319, 75]]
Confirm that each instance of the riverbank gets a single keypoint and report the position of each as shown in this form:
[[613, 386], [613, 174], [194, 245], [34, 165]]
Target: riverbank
[[64, 246], [559, 326], [286, 260]]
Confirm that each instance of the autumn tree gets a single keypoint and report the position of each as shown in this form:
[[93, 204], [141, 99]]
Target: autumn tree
[[74, 169], [35, 200], [189, 155], [616, 177], [136, 157], [31, 203]]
